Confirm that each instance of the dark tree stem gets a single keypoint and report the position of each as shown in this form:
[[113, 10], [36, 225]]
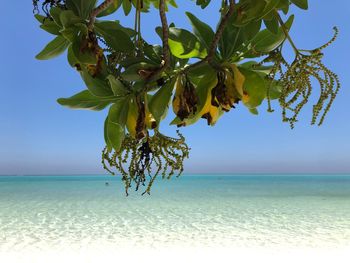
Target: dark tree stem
[[220, 30], [165, 30], [223, 23], [103, 6], [165, 39], [286, 33]]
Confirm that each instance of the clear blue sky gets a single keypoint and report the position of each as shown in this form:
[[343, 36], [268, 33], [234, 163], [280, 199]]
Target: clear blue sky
[[38, 136]]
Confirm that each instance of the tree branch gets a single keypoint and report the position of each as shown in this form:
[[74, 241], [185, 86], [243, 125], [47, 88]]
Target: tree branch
[[286, 33], [165, 30], [220, 30], [96, 11], [165, 38], [223, 23]]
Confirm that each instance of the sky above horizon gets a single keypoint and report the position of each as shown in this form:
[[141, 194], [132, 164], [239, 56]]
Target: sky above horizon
[[38, 136]]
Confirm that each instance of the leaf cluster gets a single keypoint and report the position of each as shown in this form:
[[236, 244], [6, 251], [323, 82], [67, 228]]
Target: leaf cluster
[[199, 74]]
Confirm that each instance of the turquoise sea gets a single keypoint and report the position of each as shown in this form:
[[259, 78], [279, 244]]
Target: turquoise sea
[[40, 212]]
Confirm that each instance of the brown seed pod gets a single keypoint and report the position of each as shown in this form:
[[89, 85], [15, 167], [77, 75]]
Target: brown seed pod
[[186, 99]]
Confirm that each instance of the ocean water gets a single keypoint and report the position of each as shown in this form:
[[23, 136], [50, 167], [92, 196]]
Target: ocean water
[[260, 211]]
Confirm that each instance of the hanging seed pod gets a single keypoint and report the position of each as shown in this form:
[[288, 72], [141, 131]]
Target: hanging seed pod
[[141, 119], [150, 121], [205, 108], [185, 99], [224, 94], [229, 89], [212, 109], [136, 123]]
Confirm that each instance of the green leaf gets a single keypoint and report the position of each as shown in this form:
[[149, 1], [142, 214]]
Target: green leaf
[[111, 9], [254, 88], [270, 6], [173, 3], [130, 61], [303, 4], [117, 117], [203, 3], [197, 73], [72, 59], [183, 44], [251, 30], [68, 18], [41, 18], [132, 73], [154, 53], [107, 141], [203, 31], [55, 13], [272, 25], [254, 66], [284, 6], [54, 48], [48, 25], [275, 89], [115, 134], [159, 102], [232, 38], [85, 100], [126, 7], [147, 3], [265, 41], [114, 36], [70, 33], [72, 25], [249, 10], [117, 26], [52, 29], [254, 111], [117, 87], [97, 86], [81, 8]]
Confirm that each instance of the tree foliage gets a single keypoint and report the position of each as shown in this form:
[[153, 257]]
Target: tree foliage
[[199, 74]]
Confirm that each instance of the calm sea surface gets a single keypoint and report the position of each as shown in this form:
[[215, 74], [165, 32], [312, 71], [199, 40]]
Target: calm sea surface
[[37, 212]]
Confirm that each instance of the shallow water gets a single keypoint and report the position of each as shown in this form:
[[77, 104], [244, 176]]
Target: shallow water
[[40, 212]]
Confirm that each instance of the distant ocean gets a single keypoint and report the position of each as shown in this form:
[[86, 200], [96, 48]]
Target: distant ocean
[[193, 211]]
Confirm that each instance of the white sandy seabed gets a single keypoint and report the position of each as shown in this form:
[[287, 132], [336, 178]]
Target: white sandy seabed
[[203, 219], [105, 253]]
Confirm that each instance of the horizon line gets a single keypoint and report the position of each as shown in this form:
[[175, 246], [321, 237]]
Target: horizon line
[[204, 174]]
